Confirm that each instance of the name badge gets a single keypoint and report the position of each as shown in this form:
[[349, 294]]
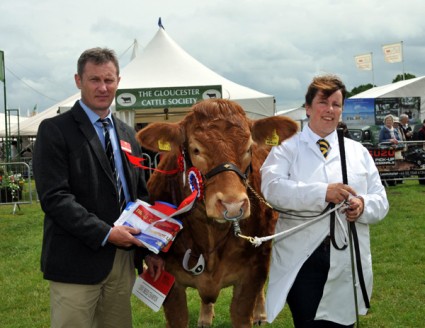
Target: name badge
[[125, 146]]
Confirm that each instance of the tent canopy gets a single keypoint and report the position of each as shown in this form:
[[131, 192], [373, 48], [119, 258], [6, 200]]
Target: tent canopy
[[408, 88], [163, 63], [12, 123]]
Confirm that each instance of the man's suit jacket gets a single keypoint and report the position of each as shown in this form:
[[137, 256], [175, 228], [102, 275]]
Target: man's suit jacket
[[78, 195]]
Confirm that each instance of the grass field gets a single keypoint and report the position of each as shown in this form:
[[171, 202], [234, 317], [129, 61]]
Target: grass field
[[398, 250]]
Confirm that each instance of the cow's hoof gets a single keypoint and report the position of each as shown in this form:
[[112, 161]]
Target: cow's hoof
[[204, 325], [260, 323]]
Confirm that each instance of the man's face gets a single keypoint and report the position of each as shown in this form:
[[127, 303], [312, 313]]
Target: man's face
[[98, 85], [325, 113]]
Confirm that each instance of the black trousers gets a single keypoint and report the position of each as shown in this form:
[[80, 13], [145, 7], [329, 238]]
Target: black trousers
[[307, 290]]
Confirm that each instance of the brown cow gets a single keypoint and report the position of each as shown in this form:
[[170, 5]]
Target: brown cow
[[214, 133]]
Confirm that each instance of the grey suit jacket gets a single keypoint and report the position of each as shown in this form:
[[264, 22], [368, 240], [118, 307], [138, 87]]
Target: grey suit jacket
[[78, 196]]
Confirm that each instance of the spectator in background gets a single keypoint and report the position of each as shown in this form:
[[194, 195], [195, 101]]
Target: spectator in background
[[404, 125], [421, 132], [388, 134], [400, 131]]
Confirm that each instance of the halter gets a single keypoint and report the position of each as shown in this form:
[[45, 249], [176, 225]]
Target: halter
[[225, 167], [196, 182]]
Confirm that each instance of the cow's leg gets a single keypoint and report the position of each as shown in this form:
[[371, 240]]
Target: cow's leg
[[175, 307], [260, 310], [244, 301], [206, 315]]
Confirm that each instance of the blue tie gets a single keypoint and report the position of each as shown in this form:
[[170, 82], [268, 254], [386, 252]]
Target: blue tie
[[110, 155]]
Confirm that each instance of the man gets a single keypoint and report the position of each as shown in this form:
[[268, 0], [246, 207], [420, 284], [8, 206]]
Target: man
[[88, 261], [421, 132], [404, 124], [311, 268]]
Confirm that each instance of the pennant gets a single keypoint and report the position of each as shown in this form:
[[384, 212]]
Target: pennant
[[393, 52], [364, 62]]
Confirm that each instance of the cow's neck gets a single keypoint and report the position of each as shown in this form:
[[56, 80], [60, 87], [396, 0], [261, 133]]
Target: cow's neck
[[205, 236]]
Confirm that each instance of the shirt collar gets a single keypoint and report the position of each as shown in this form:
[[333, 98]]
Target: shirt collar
[[313, 137], [93, 117]]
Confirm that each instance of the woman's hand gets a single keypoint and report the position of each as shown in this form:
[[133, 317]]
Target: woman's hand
[[355, 209], [338, 192]]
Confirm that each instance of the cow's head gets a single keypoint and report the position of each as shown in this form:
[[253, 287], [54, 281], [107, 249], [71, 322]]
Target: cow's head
[[217, 131]]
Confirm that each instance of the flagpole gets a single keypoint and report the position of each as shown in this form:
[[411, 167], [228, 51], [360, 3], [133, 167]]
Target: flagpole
[[402, 58], [373, 73], [6, 125]]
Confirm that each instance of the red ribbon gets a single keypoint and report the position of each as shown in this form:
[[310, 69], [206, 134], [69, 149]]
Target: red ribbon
[[136, 161]]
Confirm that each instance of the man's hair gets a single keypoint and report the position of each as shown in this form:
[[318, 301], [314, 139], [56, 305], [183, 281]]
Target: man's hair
[[328, 84], [97, 56], [403, 116]]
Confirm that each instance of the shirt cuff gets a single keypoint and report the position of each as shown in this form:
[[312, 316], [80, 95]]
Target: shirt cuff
[[106, 238]]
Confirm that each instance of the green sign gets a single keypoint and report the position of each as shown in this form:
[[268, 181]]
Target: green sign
[[147, 98]]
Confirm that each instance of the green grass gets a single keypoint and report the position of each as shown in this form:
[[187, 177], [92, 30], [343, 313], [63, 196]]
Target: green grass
[[398, 250]]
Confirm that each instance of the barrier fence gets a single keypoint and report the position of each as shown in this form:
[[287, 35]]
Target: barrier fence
[[16, 185], [403, 161]]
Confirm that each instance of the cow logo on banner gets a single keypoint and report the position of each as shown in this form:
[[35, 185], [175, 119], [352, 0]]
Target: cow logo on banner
[[126, 99]]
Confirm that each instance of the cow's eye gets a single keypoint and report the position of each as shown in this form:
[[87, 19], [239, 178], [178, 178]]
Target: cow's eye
[[196, 151]]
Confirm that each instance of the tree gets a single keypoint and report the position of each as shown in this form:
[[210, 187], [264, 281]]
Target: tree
[[359, 89], [407, 76]]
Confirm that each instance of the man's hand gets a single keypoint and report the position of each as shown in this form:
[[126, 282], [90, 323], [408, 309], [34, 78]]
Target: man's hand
[[155, 265], [122, 236]]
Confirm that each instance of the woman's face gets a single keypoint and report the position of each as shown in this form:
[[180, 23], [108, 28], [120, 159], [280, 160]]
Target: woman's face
[[325, 113], [389, 122]]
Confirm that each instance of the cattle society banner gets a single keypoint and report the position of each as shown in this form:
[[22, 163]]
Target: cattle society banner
[[131, 99]]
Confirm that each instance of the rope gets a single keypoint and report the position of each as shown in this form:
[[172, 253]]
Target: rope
[[257, 241]]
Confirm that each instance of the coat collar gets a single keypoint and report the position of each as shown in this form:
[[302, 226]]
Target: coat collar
[[87, 129]]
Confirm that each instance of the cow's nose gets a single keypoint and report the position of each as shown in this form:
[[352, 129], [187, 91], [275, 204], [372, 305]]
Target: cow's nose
[[234, 209]]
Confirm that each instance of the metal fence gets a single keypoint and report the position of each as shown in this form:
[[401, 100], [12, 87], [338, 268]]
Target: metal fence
[[16, 185]]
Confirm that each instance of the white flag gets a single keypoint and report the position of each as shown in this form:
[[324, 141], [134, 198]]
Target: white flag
[[364, 62], [393, 52]]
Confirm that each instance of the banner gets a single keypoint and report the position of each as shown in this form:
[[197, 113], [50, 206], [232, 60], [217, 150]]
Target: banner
[[393, 52], [364, 62], [2, 74], [172, 97]]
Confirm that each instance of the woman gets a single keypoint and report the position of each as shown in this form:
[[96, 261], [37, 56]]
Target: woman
[[307, 270], [388, 133]]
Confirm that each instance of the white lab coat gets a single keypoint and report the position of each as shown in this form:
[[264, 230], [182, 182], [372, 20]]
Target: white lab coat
[[295, 177]]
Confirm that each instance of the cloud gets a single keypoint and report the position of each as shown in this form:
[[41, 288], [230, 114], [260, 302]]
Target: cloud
[[274, 46]]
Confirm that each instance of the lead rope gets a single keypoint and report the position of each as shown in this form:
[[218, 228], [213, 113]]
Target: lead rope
[[257, 241]]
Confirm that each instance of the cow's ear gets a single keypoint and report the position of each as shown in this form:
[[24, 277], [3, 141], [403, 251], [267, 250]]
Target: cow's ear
[[271, 131], [160, 137]]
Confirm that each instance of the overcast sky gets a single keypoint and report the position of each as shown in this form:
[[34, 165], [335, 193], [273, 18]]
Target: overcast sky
[[273, 46]]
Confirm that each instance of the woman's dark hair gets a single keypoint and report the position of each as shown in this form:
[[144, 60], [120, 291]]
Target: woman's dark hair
[[328, 84]]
